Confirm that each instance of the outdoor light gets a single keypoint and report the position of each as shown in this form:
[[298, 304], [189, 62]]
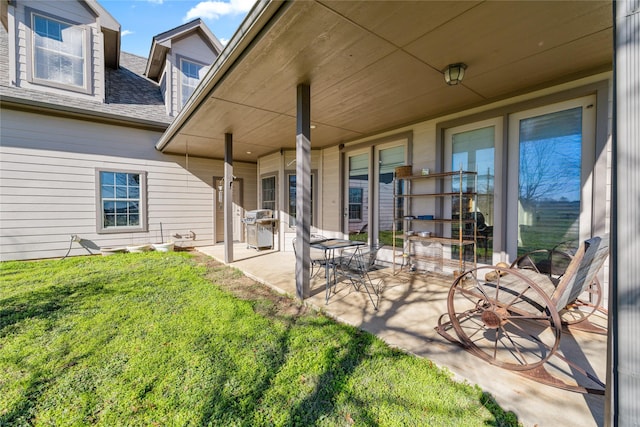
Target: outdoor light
[[454, 73]]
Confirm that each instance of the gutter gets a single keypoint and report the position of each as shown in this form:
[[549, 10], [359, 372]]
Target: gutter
[[252, 26]]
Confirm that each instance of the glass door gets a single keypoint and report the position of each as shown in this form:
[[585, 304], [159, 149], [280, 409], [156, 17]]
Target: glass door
[[369, 204], [357, 206], [388, 160], [551, 159], [477, 148]]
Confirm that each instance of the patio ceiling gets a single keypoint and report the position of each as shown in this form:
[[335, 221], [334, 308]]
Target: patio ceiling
[[374, 66]]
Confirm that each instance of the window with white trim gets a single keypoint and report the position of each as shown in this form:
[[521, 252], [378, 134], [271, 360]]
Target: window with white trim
[[58, 52], [121, 201], [190, 77]]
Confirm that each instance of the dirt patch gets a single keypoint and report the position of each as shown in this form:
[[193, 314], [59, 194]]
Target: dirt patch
[[265, 300]]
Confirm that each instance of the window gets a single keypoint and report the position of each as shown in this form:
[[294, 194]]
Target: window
[[190, 78], [121, 201], [355, 204], [269, 193], [292, 199], [59, 53]]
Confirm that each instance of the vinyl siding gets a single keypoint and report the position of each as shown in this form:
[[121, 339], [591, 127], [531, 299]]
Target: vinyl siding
[[330, 215], [47, 185]]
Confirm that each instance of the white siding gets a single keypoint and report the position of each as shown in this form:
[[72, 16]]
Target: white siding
[[47, 185], [72, 11]]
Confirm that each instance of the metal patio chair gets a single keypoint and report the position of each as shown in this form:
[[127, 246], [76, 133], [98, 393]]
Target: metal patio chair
[[356, 264], [511, 317]]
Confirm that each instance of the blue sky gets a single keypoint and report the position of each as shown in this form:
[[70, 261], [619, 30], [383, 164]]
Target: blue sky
[[140, 20]]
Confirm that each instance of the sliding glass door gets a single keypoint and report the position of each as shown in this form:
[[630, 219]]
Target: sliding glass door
[[478, 148], [535, 191], [370, 202], [550, 180]]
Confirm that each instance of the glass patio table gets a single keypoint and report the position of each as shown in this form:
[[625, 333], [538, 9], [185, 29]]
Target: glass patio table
[[330, 246]]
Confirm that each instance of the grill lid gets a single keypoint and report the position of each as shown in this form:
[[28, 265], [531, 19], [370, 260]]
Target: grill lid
[[258, 215]]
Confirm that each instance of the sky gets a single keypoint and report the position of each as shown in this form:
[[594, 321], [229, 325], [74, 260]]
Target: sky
[[140, 20]]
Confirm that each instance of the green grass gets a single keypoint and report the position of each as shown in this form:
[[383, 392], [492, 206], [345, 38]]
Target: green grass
[[166, 339]]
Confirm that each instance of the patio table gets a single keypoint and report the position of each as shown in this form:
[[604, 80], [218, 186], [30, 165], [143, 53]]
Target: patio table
[[329, 246]]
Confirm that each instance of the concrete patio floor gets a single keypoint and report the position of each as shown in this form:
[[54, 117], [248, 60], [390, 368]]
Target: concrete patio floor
[[409, 307]]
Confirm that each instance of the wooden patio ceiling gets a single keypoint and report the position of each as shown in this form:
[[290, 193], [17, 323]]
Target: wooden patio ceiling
[[374, 66]]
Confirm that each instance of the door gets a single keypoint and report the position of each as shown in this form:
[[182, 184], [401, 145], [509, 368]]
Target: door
[[477, 147], [369, 207], [551, 158], [237, 210]]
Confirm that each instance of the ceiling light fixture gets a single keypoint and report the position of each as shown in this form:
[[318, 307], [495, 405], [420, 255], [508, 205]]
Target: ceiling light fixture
[[454, 73]]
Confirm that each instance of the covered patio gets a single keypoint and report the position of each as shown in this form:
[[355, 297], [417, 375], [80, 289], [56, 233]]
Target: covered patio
[[409, 307], [330, 76]]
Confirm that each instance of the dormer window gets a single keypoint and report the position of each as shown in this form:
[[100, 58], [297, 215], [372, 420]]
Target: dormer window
[[59, 53], [190, 77]]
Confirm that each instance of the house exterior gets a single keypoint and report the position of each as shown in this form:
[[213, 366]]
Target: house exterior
[[308, 111], [78, 132]]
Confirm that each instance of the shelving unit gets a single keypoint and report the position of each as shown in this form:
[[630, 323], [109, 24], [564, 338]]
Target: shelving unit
[[459, 238]]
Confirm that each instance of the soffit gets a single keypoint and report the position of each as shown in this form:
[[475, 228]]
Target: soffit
[[373, 66]]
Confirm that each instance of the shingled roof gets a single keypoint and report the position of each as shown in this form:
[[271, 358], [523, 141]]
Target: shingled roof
[[130, 96]]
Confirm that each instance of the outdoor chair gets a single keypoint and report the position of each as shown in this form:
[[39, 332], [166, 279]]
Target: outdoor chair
[[554, 264], [318, 256], [513, 317], [356, 264]]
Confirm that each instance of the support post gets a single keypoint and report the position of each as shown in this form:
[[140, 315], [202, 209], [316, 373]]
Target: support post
[[228, 198], [623, 382], [303, 190]]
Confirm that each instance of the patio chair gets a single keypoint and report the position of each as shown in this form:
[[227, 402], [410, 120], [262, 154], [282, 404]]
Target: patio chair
[[511, 317], [318, 256], [554, 263], [356, 264]]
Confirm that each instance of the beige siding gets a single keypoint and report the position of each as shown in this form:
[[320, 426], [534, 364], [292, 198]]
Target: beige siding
[[47, 185], [191, 48], [72, 11], [331, 192]]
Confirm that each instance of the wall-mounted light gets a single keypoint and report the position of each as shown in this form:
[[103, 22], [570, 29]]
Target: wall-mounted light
[[454, 73]]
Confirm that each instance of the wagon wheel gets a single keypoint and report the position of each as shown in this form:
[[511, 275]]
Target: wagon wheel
[[509, 321], [582, 308]]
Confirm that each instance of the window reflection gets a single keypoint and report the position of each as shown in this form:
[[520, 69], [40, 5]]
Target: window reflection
[[549, 180]]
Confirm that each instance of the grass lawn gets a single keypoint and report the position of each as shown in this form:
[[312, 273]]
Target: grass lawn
[[164, 339]]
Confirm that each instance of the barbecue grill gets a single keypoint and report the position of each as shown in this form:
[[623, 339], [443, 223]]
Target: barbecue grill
[[259, 224]]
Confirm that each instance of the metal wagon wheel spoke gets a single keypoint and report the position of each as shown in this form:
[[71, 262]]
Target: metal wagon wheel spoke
[[586, 305], [509, 322]]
